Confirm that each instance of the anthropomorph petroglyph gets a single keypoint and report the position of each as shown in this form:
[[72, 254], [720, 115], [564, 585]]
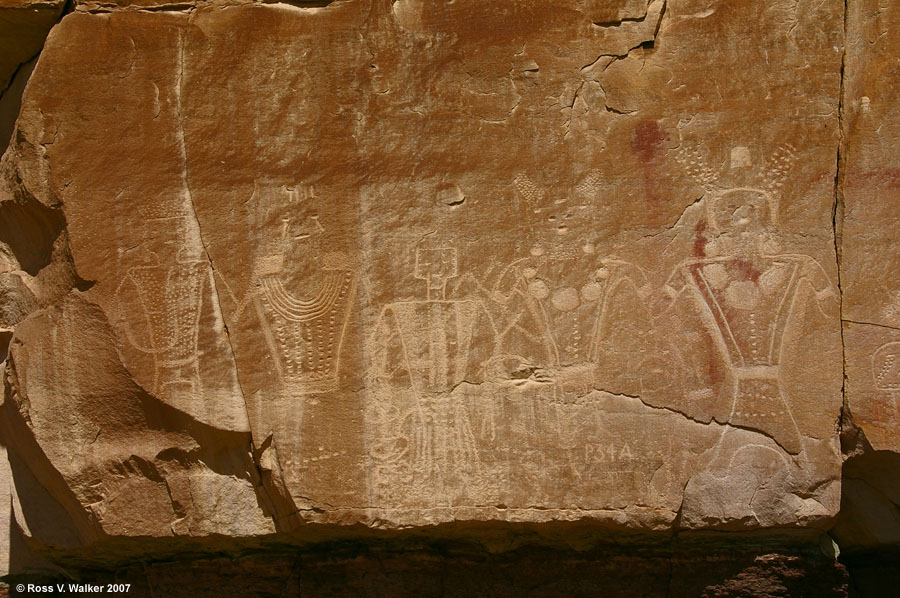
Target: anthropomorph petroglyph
[[886, 367], [749, 309], [886, 372], [749, 291], [558, 307], [570, 321], [429, 343], [423, 350], [556, 317], [168, 282], [302, 295]]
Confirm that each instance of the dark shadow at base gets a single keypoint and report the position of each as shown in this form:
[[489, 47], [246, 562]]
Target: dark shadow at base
[[458, 569]]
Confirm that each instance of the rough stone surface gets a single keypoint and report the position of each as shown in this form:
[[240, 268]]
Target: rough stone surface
[[868, 528], [5, 491], [283, 273], [524, 572], [635, 344], [869, 244], [23, 26]]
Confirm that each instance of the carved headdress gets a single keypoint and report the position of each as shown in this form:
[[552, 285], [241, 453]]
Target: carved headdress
[[745, 182]]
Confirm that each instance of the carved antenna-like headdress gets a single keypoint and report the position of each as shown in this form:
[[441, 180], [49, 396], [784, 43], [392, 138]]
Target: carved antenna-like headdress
[[277, 200], [742, 173]]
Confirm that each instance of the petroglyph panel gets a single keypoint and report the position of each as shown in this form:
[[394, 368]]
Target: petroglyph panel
[[452, 262]]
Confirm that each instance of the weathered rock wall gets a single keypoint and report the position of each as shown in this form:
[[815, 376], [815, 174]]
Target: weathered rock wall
[[23, 27], [498, 274], [868, 526]]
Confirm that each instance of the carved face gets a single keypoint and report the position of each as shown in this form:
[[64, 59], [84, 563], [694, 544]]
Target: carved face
[[304, 231], [436, 266], [292, 231], [741, 210], [746, 218], [300, 246], [742, 219], [171, 238]]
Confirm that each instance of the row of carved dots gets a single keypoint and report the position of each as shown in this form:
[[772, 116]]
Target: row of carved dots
[[305, 354]]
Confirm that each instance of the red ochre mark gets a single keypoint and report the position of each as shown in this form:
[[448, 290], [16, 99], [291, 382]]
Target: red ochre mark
[[647, 140], [884, 178], [747, 270], [700, 239], [713, 371]]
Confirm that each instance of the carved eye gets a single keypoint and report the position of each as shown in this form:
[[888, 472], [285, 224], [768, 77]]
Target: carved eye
[[592, 291], [539, 289]]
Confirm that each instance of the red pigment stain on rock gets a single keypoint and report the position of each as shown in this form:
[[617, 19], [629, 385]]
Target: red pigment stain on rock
[[700, 239], [885, 178], [747, 270], [646, 144], [713, 370], [712, 365], [647, 140]]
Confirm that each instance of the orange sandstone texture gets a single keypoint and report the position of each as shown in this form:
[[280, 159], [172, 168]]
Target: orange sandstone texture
[[869, 190], [406, 263], [23, 26], [870, 248]]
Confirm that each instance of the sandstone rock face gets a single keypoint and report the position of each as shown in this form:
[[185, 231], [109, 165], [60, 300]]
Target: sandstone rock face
[[378, 265], [23, 26], [870, 248], [870, 252]]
